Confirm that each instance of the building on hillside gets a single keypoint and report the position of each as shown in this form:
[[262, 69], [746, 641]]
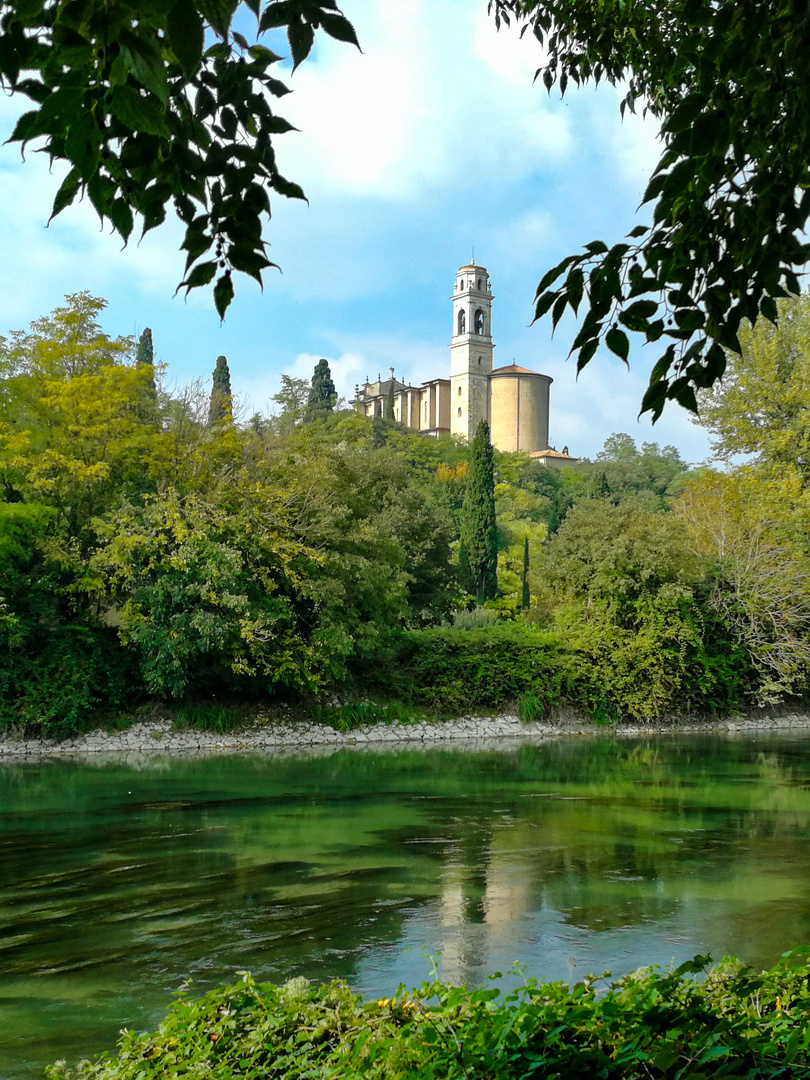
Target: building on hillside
[[512, 399]]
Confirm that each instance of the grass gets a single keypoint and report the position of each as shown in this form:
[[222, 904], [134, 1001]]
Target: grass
[[215, 719], [365, 713]]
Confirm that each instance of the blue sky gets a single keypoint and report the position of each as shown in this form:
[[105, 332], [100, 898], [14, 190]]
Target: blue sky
[[429, 143]]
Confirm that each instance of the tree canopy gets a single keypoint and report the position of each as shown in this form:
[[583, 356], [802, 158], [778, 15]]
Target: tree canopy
[[158, 103], [730, 194]]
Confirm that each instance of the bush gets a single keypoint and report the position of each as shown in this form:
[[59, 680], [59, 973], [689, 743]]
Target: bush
[[647, 1024], [456, 670]]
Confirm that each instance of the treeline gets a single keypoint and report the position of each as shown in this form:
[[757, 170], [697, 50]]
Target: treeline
[[153, 545]]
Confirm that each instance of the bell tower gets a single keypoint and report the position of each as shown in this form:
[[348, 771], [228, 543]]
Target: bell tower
[[470, 351]]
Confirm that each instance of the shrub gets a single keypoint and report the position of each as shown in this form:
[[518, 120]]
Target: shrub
[[734, 1023]]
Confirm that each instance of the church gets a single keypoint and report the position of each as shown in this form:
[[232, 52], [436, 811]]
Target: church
[[512, 399]]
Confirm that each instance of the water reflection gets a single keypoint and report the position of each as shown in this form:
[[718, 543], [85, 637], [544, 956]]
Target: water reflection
[[117, 883]]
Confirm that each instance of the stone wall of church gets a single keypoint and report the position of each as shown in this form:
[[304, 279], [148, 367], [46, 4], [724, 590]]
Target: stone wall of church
[[519, 411]]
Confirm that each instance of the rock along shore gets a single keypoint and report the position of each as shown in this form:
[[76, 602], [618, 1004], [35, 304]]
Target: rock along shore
[[159, 736]]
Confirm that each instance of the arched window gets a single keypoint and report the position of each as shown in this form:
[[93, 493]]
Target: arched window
[[459, 411], [459, 391], [461, 284], [479, 284], [479, 361], [479, 321], [462, 322]]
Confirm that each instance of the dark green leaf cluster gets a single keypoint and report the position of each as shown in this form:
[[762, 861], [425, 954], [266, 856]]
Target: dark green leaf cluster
[[478, 542], [220, 406], [648, 1025], [730, 195], [149, 113], [322, 393]]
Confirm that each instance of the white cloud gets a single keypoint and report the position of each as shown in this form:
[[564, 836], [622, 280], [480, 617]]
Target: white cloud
[[435, 94]]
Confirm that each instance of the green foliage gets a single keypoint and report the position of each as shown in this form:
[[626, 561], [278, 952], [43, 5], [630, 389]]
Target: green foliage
[[216, 719], [221, 404], [322, 394], [666, 1024], [146, 355], [292, 398], [361, 714], [729, 209], [466, 670], [57, 661], [478, 544], [157, 105], [525, 594]]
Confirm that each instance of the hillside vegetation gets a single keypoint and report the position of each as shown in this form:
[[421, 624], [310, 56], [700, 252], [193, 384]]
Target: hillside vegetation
[[156, 546]]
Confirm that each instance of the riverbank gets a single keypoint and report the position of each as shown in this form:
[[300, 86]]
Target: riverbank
[[161, 735]]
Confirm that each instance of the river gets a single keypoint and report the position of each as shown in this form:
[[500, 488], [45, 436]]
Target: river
[[120, 881]]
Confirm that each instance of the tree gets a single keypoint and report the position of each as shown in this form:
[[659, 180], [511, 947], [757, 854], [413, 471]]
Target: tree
[[146, 351], [158, 105], [322, 394], [292, 397], [525, 594], [762, 407], [221, 405], [145, 359], [754, 533], [730, 194], [388, 414], [478, 547]]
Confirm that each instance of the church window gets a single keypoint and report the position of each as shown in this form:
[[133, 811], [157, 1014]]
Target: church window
[[461, 284], [479, 321], [479, 361], [479, 284], [459, 391], [462, 322], [459, 411]]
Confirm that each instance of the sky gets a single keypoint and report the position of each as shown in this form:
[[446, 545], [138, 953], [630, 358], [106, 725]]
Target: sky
[[430, 144]]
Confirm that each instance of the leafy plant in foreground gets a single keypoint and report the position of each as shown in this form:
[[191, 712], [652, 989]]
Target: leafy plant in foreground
[[648, 1024]]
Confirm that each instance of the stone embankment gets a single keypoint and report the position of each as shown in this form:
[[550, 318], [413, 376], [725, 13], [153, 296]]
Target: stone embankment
[[161, 737]]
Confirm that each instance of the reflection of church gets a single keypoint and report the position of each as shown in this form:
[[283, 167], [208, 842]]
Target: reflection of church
[[513, 399]]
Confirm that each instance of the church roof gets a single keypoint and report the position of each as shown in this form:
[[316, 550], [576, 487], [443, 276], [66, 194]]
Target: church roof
[[513, 369], [552, 454]]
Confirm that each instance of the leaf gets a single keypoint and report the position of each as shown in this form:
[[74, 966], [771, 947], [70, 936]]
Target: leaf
[[186, 36], [339, 27], [121, 217], [617, 341], [223, 293], [138, 112], [202, 274], [586, 354], [301, 37], [654, 398], [637, 315], [67, 192], [218, 13]]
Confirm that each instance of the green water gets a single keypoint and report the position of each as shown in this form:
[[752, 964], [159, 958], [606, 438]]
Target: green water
[[117, 882]]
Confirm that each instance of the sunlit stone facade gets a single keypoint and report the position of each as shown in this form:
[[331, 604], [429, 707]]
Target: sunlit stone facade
[[512, 399]]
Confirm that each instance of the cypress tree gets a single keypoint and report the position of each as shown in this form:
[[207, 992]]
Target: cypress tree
[[221, 400], [389, 402], [525, 595], [322, 395], [145, 360], [478, 547], [146, 351]]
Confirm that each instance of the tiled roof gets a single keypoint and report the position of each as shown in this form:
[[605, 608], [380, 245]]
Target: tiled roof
[[513, 369], [554, 454]]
